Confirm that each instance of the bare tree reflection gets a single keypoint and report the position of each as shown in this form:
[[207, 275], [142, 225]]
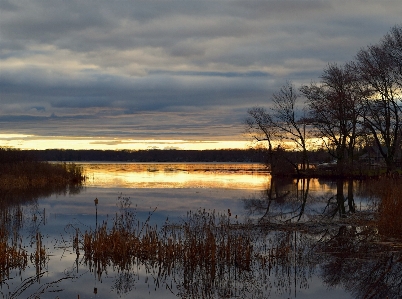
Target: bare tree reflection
[[366, 267], [284, 200], [336, 203], [215, 255]]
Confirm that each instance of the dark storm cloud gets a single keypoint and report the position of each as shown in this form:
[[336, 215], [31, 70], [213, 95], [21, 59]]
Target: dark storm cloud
[[158, 91], [111, 62]]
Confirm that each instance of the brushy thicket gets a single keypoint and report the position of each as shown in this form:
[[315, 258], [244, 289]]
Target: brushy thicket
[[389, 191], [20, 171], [390, 209]]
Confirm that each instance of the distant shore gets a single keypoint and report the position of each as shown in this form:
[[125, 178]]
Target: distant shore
[[152, 155]]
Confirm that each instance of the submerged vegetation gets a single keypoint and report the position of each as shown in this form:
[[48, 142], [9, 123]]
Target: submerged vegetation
[[220, 255], [212, 255]]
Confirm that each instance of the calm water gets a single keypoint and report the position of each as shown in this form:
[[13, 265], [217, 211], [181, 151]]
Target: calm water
[[165, 193]]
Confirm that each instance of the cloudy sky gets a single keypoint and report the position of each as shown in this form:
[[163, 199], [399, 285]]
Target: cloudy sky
[[165, 73]]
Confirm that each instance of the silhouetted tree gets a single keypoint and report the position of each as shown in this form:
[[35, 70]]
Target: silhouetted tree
[[262, 128], [379, 71], [281, 124], [335, 111], [291, 126]]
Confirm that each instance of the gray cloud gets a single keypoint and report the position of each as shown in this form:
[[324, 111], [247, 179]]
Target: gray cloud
[[106, 64]]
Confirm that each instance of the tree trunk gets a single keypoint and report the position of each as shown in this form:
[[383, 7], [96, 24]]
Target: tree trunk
[[351, 200], [340, 199]]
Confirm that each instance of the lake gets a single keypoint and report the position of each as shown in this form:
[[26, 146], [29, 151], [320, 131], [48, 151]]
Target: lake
[[271, 238]]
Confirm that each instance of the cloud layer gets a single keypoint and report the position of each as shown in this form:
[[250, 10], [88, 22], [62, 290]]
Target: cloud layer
[[181, 69]]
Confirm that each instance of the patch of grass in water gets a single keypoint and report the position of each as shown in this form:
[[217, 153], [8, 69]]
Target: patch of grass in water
[[31, 174]]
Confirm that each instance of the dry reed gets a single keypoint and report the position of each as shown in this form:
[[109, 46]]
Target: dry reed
[[21, 172], [39, 174], [210, 251], [202, 241], [390, 207], [13, 254], [387, 193]]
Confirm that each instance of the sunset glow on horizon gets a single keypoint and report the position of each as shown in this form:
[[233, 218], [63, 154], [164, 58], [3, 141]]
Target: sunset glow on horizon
[[29, 142]]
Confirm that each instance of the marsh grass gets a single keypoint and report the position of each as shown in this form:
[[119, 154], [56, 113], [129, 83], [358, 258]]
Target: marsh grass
[[19, 171], [203, 240], [26, 175], [13, 253], [205, 255], [213, 255], [12, 256], [389, 218], [208, 254]]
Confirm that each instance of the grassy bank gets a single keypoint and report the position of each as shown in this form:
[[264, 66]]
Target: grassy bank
[[18, 171]]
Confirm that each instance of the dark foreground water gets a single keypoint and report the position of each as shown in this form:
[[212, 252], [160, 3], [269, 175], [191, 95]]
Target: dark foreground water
[[300, 247]]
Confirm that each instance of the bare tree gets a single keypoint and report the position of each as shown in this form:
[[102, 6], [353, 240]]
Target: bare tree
[[335, 111], [261, 127], [379, 71], [281, 124], [392, 43], [291, 127]]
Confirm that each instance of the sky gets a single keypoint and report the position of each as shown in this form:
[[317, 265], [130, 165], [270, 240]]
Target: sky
[[142, 74]]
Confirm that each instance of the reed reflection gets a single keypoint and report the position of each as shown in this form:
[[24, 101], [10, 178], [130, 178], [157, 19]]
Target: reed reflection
[[283, 201], [22, 245], [215, 255], [209, 255], [16, 256], [299, 234]]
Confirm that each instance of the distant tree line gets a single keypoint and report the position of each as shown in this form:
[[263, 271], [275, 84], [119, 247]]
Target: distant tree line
[[153, 155], [354, 108], [11, 155]]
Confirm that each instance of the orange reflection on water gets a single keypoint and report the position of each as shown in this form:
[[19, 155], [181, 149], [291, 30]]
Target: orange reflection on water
[[176, 175]]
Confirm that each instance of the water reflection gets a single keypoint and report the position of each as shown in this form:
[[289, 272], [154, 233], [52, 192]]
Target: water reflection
[[182, 175], [295, 239], [289, 200], [214, 256], [207, 256], [31, 195], [22, 264], [24, 254], [359, 261]]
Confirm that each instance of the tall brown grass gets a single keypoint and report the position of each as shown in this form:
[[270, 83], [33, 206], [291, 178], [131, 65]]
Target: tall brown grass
[[12, 256], [390, 208], [202, 241], [13, 253], [31, 174], [389, 192], [205, 255], [20, 171]]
